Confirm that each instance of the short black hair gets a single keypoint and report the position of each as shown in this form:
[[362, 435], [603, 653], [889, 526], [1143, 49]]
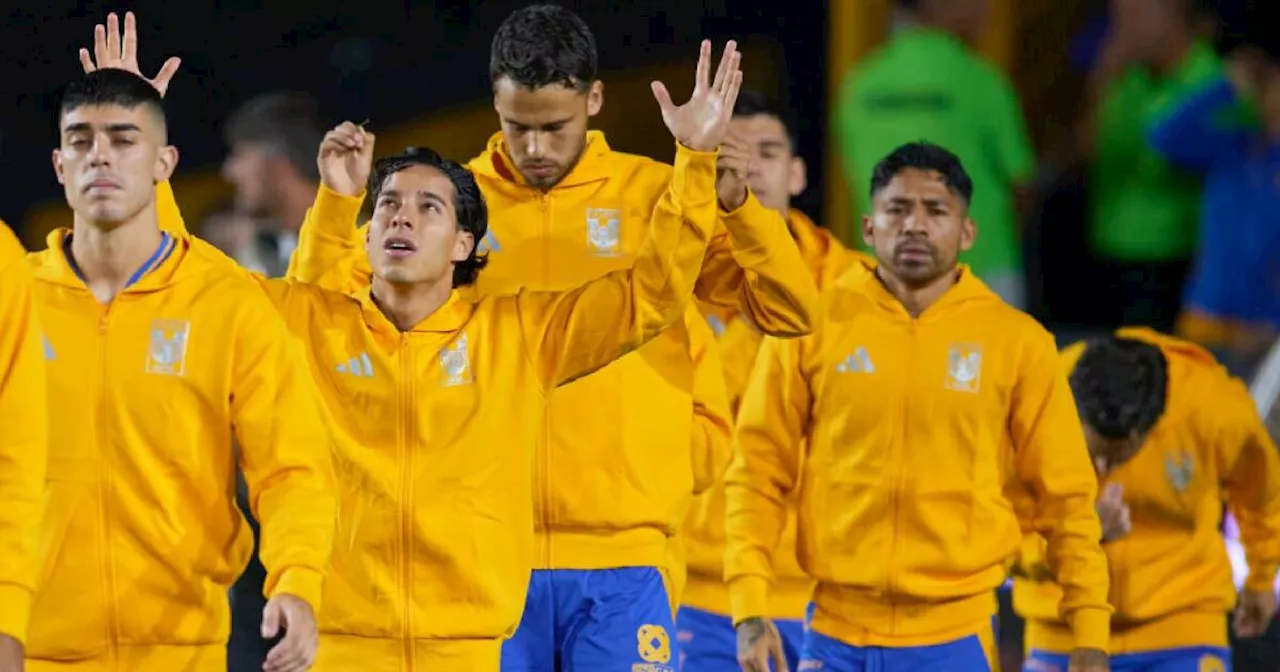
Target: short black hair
[[1120, 386], [468, 202], [923, 156], [542, 45], [284, 122], [752, 103], [110, 86]]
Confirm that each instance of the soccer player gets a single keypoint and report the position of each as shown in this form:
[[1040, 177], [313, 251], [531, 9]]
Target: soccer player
[[616, 465], [1173, 435], [164, 351], [23, 447], [762, 144], [918, 396], [432, 391]]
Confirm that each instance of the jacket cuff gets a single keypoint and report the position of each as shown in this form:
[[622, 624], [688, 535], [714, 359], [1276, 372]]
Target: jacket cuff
[[691, 165], [754, 232], [333, 209], [748, 598], [1092, 628], [15, 611], [305, 584]]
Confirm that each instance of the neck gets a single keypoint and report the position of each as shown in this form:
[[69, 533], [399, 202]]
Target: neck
[[108, 256], [917, 298], [296, 198], [407, 305]]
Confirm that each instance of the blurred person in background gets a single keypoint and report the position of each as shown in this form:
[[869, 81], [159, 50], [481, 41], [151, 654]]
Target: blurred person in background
[[896, 424], [273, 140], [24, 447], [186, 360], [762, 136], [235, 233], [614, 481], [1143, 210], [1233, 293], [1173, 435], [928, 83]]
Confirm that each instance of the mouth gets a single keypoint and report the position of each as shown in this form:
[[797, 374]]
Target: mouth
[[914, 252], [101, 185], [539, 169], [398, 247]]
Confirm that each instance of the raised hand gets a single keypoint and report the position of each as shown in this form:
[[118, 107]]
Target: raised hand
[[110, 51], [702, 123], [346, 159]]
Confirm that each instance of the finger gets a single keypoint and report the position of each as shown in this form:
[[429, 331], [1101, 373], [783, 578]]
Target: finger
[[779, 658], [726, 62], [167, 71], [129, 50], [366, 147], [270, 621], [100, 45], [731, 91], [86, 62], [703, 73], [113, 36], [283, 655], [663, 97]]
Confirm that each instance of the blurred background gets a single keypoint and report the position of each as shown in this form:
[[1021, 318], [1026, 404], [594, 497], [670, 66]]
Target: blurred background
[[1123, 152]]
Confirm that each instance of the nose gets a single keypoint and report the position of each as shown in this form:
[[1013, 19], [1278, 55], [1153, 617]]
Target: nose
[[533, 145], [401, 220], [914, 221], [98, 155]]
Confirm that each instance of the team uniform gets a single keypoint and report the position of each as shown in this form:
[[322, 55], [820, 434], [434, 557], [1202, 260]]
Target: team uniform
[[141, 538], [436, 429], [910, 429], [24, 446], [706, 633], [1171, 580], [615, 465]]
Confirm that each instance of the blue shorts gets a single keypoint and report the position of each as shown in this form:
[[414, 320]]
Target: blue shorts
[[974, 653], [599, 620], [1191, 659], [708, 641]]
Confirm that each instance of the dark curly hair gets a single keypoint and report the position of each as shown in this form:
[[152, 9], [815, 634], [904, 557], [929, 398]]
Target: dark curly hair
[[542, 45], [468, 202], [1120, 386], [923, 156]]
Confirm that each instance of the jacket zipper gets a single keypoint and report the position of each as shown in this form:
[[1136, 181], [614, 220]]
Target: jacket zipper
[[543, 465], [403, 409], [106, 456], [899, 466]]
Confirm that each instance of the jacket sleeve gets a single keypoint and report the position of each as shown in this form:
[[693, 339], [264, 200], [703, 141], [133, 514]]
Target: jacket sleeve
[[712, 431], [753, 265], [570, 334], [1052, 461], [285, 454], [773, 423], [24, 439], [1250, 469], [331, 252]]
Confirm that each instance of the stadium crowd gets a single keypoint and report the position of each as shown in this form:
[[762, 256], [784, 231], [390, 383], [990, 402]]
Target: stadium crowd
[[567, 408]]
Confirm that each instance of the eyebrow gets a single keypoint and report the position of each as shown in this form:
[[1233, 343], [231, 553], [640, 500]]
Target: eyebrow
[[111, 128], [426, 195], [773, 143], [903, 200], [557, 122]]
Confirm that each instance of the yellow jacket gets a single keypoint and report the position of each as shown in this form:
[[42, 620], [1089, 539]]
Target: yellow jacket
[[738, 342], [436, 427], [611, 489], [140, 538], [1171, 581], [24, 443], [897, 435]]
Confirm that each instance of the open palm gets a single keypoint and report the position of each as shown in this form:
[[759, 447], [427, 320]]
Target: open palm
[[111, 51], [702, 123]]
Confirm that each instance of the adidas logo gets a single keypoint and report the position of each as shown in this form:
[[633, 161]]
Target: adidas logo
[[489, 243], [858, 362], [359, 367]]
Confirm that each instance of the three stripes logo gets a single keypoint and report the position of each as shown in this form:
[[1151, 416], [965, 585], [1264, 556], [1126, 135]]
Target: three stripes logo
[[360, 367]]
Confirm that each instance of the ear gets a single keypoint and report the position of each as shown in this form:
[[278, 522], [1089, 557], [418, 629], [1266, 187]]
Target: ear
[[968, 234], [595, 98], [797, 179], [462, 246], [868, 226], [57, 166], [166, 162]]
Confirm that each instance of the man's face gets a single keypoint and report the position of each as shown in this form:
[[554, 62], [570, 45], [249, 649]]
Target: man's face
[[1144, 24], [776, 175], [109, 160], [248, 168], [1111, 454], [414, 237], [545, 129], [918, 227]]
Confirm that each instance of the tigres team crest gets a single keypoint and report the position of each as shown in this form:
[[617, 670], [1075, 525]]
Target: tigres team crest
[[654, 646]]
